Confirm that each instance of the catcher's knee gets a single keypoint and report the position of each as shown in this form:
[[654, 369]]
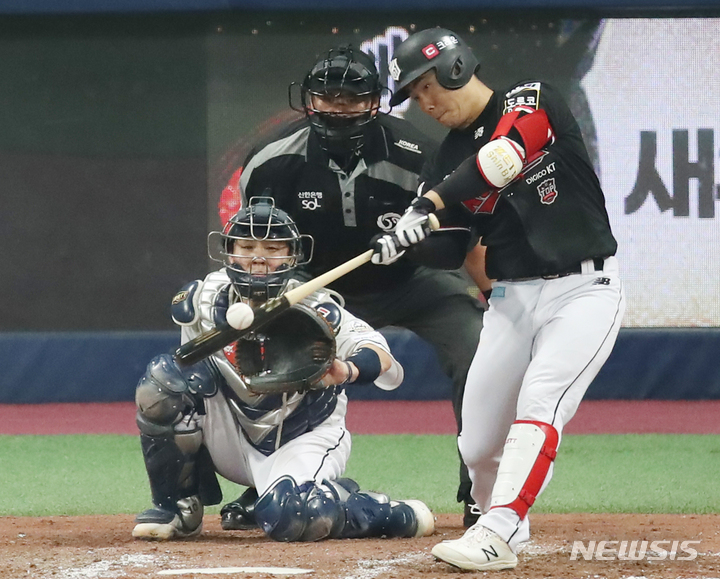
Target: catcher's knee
[[287, 512], [166, 392]]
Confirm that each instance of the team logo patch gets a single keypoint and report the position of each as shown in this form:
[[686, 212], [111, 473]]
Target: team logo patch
[[430, 51], [484, 203], [360, 326], [180, 297], [394, 69], [387, 221], [547, 191]]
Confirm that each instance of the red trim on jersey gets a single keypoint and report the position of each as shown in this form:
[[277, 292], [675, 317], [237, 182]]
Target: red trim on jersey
[[527, 495]]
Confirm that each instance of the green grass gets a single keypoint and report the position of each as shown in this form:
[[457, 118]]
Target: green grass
[[104, 474]]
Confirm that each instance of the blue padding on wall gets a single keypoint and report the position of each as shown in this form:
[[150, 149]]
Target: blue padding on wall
[[667, 364], [76, 366]]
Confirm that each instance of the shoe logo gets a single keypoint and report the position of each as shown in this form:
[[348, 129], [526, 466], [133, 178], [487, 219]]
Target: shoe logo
[[492, 552], [602, 281]]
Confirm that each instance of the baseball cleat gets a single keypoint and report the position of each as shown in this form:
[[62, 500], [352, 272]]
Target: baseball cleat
[[239, 515], [162, 525], [479, 549], [424, 517]]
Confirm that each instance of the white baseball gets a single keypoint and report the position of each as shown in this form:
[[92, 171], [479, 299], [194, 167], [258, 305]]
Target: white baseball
[[240, 316]]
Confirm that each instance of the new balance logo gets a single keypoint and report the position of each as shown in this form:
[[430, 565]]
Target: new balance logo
[[634, 550], [602, 281], [490, 551]]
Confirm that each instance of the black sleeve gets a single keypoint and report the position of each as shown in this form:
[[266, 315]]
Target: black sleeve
[[464, 183]]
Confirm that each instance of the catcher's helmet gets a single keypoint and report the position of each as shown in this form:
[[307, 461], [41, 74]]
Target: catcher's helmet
[[343, 72], [434, 48], [260, 221]]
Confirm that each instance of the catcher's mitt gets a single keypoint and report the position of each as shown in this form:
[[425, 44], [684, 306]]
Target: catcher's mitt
[[291, 353]]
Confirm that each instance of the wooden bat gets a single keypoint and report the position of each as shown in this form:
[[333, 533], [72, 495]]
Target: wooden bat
[[205, 344]]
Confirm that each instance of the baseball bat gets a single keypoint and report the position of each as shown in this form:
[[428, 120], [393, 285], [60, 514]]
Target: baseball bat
[[205, 344]]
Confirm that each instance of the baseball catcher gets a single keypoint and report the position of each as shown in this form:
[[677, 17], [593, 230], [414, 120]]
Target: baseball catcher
[[268, 411]]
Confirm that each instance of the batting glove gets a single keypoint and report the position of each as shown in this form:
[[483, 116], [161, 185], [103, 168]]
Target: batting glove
[[414, 225], [387, 250]]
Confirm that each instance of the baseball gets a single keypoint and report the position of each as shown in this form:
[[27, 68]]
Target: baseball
[[240, 316]]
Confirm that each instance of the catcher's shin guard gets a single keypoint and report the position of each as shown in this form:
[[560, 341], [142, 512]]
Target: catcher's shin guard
[[171, 472], [369, 514], [286, 512], [529, 452]]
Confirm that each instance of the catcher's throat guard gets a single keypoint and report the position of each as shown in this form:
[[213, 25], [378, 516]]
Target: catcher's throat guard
[[291, 353]]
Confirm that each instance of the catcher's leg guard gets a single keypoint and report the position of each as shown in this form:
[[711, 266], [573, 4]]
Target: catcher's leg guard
[[286, 512], [177, 465], [529, 452], [369, 514], [239, 515]]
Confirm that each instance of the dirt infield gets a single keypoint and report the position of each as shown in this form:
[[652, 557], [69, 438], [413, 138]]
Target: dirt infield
[[101, 547]]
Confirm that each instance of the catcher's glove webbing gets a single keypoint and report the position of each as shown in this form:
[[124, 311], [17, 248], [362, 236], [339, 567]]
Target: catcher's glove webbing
[[291, 353]]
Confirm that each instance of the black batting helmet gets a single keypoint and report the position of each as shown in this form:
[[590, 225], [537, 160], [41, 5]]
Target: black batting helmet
[[343, 71], [434, 48]]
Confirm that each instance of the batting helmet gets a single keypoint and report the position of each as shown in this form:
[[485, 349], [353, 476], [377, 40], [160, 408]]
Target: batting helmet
[[260, 221], [343, 72], [434, 48]]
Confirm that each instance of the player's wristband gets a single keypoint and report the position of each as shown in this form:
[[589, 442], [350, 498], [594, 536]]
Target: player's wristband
[[367, 362]]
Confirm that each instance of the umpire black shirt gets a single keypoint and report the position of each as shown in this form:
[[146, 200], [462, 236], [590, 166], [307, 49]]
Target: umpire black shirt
[[342, 210]]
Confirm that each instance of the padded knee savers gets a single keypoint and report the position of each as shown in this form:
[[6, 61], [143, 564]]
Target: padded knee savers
[[166, 392], [286, 512]]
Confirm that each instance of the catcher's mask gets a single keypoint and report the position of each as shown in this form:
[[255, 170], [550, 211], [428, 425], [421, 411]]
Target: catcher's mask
[[260, 246], [340, 95], [291, 353], [435, 49]]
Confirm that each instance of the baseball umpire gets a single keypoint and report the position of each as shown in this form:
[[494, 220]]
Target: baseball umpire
[[346, 172], [268, 411], [515, 166]]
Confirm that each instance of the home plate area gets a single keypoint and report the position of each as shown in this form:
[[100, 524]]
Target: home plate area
[[100, 547]]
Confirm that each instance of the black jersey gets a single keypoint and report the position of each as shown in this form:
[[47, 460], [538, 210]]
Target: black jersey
[[547, 220], [343, 210]]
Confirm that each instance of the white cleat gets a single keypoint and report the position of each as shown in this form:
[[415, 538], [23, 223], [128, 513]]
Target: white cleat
[[423, 515], [479, 549]]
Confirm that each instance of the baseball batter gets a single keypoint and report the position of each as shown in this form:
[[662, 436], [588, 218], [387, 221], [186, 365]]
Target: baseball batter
[[515, 166], [246, 415]]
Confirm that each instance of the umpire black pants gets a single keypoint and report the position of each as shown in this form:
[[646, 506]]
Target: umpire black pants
[[436, 305]]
